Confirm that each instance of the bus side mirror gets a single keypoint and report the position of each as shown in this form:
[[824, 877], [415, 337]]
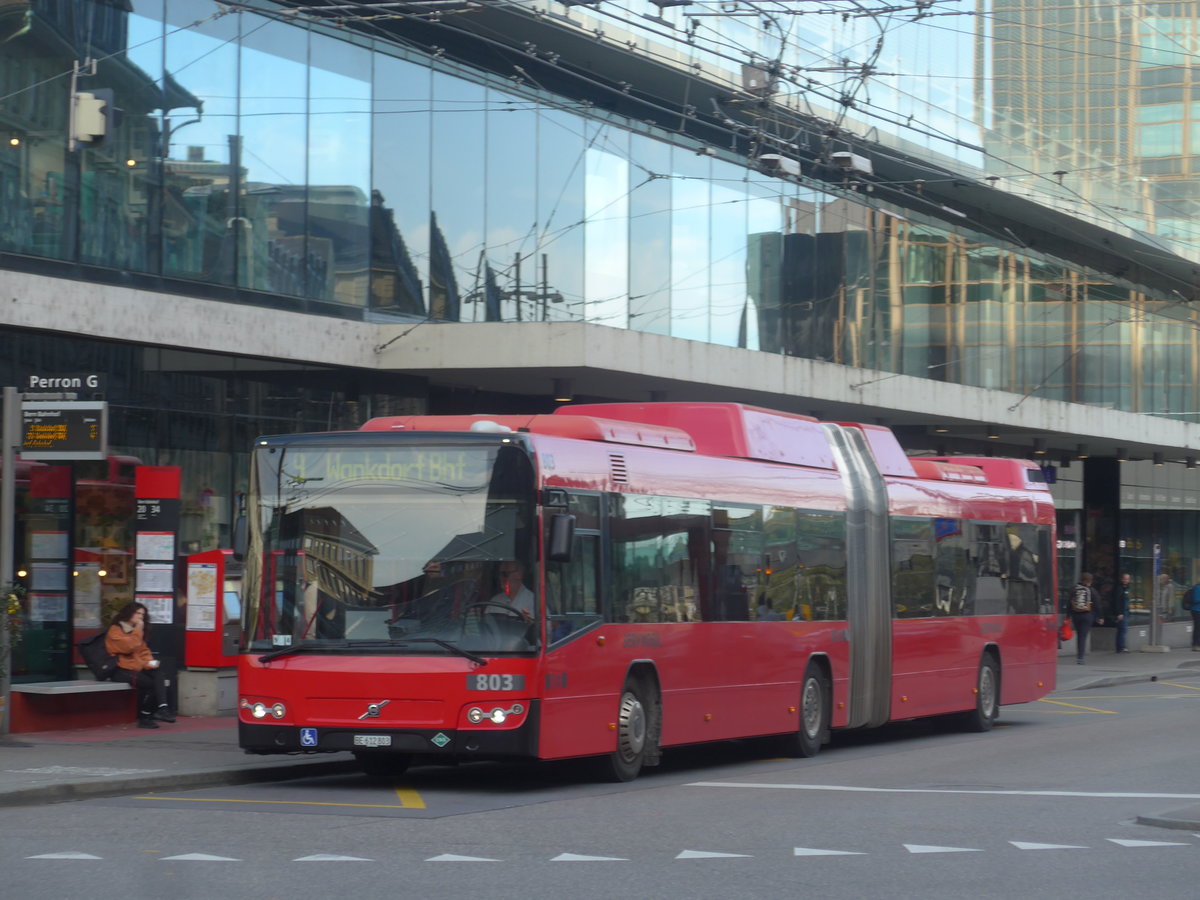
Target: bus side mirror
[[239, 537], [562, 537]]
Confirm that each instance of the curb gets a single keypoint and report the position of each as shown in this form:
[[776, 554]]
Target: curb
[[1166, 821], [91, 790], [1110, 681]]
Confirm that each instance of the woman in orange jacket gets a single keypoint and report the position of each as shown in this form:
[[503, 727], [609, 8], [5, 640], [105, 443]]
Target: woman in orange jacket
[[136, 665]]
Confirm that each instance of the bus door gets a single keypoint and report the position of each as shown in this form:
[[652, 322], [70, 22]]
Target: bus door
[[578, 693]]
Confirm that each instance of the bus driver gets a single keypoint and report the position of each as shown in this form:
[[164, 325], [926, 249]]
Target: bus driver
[[513, 592]]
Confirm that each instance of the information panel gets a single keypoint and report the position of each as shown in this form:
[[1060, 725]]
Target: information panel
[[64, 429]]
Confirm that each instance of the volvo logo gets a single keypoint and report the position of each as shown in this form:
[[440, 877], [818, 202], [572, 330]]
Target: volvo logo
[[373, 710]]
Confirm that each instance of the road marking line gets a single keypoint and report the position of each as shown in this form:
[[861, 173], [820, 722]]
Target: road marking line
[[199, 857], [454, 857], [279, 802], [1100, 795], [331, 857], [576, 857], [1105, 712], [926, 848], [1190, 687], [409, 798], [1124, 842], [1030, 845]]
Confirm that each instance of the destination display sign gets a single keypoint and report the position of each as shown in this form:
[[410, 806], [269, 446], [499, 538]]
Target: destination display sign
[[64, 430], [459, 468]]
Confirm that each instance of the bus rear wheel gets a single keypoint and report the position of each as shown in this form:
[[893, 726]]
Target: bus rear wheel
[[987, 697], [814, 715], [632, 735], [383, 765]]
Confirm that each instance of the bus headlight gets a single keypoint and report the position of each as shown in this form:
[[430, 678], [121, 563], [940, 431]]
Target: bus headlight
[[497, 716], [260, 710]]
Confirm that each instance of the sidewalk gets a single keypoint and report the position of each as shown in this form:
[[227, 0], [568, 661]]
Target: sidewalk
[[55, 766]]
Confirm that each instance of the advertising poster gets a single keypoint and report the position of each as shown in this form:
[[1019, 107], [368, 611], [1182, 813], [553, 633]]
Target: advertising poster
[[160, 606], [87, 595], [155, 578], [47, 607], [202, 597]]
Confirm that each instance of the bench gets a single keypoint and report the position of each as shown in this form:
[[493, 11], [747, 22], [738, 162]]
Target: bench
[[56, 705]]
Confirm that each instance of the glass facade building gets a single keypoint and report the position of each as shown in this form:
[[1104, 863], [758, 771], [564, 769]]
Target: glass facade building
[[272, 161], [740, 176]]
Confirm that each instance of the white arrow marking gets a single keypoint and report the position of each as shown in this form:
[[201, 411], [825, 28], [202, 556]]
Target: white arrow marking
[[575, 857], [331, 857], [705, 854], [200, 857], [66, 854], [812, 851], [925, 848], [454, 857], [1128, 843], [1027, 845]]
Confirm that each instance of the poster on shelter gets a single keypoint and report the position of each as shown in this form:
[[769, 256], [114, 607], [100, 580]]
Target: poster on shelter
[[202, 597], [161, 607]]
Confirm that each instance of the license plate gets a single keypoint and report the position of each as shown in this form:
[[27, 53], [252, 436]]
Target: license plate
[[372, 740]]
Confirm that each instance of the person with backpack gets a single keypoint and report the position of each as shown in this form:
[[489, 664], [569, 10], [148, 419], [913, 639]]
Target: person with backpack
[[1084, 602]]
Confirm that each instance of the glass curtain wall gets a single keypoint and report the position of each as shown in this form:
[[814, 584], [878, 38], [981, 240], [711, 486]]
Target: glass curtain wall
[[333, 172]]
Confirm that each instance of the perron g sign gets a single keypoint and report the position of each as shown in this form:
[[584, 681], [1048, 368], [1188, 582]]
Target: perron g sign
[[64, 430]]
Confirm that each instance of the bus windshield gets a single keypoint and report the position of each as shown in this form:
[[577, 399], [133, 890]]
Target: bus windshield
[[407, 546]]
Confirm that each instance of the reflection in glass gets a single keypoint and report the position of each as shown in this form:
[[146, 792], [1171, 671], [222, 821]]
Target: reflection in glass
[[400, 221], [199, 206], [457, 218], [728, 248], [409, 546], [560, 199], [606, 228], [511, 290], [339, 169], [117, 172], [649, 236], [691, 272], [268, 165]]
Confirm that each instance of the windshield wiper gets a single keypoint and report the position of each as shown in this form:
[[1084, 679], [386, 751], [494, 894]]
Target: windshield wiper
[[395, 642], [302, 648], [453, 648]]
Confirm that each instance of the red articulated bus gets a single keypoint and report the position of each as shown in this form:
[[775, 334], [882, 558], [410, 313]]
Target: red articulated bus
[[616, 579]]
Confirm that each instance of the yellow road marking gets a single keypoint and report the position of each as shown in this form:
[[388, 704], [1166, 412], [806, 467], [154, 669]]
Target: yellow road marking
[[1076, 706], [420, 804], [409, 798], [1190, 687]]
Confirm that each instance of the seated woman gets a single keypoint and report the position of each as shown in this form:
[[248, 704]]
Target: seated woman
[[136, 665]]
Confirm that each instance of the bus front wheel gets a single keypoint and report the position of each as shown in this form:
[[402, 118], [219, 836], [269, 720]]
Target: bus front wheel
[[814, 715], [632, 735]]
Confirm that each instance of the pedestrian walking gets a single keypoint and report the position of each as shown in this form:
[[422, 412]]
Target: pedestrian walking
[[1085, 600]]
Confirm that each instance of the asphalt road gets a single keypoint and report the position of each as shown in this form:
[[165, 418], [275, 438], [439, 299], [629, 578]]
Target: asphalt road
[[1044, 806]]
